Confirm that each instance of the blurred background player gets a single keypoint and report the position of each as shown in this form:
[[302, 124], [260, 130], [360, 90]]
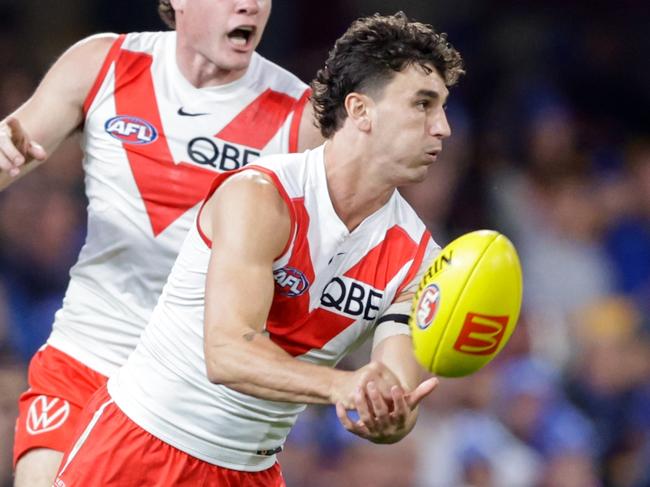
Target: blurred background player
[[268, 298], [161, 113]]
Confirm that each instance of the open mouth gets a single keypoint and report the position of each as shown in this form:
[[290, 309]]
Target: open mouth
[[241, 35]]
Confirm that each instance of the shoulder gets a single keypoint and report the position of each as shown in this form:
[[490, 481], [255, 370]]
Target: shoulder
[[253, 187], [148, 42], [93, 47], [249, 204]]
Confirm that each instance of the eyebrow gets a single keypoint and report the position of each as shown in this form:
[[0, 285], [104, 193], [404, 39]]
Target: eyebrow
[[429, 94]]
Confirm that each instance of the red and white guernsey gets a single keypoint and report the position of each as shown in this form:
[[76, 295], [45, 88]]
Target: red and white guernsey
[[332, 287], [153, 143]]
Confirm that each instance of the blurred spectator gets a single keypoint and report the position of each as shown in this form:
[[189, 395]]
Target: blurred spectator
[[628, 236], [533, 406], [461, 442], [610, 381], [548, 205], [12, 383]]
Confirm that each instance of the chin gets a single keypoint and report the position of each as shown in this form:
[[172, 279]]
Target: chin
[[233, 60], [420, 174]]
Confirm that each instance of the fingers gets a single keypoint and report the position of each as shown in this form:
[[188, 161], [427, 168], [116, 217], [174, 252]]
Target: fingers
[[421, 391], [16, 148], [358, 428], [372, 408], [36, 151], [10, 157], [400, 407]]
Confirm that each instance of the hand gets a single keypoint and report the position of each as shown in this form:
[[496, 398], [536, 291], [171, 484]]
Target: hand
[[16, 147], [345, 389], [380, 423]]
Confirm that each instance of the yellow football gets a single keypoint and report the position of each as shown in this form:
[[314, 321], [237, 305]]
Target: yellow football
[[467, 304]]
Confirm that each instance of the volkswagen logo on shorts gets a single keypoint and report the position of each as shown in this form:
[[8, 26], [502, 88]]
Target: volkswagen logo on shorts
[[290, 281], [131, 130]]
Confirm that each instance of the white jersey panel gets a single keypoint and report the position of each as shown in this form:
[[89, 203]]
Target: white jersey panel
[[153, 143], [331, 287]]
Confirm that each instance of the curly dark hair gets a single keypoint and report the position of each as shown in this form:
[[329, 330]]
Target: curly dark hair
[[367, 57], [167, 14]]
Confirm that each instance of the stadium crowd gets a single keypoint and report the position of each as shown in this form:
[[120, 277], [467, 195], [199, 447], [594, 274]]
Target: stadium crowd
[[550, 145]]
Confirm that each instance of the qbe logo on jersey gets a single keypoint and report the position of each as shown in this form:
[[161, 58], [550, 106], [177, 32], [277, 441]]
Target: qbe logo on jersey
[[352, 298], [131, 130], [427, 306], [481, 334], [46, 414]]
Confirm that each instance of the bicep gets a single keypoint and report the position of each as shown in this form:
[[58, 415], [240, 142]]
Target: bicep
[[55, 109], [249, 225]]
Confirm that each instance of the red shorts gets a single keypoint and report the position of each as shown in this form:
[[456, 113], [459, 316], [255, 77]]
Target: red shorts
[[48, 413], [111, 450]]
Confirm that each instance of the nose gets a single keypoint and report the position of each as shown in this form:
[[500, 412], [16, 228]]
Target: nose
[[247, 7], [440, 125]]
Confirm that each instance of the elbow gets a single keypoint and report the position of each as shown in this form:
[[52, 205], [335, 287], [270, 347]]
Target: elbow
[[216, 367], [218, 372], [214, 373]]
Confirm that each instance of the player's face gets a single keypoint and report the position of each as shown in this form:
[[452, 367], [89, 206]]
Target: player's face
[[225, 32], [409, 123]]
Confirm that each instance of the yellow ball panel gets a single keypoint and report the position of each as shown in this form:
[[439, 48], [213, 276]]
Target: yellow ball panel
[[467, 304]]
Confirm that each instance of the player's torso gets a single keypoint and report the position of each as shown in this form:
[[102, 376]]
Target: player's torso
[[334, 283], [153, 143], [330, 286]]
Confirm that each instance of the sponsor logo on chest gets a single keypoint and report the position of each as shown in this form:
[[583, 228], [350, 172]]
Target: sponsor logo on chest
[[220, 155], [352, 298]]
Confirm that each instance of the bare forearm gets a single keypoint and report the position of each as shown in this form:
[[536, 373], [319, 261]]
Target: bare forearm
[[253, 364]]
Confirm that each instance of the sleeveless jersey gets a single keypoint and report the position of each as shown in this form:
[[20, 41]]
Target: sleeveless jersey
[[331, 288], [153, 144]]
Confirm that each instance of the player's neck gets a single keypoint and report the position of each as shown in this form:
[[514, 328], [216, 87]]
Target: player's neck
[[354, 192], [201, 72]]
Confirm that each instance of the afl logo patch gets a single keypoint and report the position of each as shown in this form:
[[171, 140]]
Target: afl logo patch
[[427, 306], [131, 130], [290, 281], [46, 414]]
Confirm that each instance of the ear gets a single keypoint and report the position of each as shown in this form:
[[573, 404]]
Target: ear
[[358, 107]]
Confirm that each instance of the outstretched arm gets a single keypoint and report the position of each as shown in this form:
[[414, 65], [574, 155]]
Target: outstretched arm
[[249, 224], [382, 421], [54, 110]]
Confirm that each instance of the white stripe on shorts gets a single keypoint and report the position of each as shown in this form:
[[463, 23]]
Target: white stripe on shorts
[[84, 436]]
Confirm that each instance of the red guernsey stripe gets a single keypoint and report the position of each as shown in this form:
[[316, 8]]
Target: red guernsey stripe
[[256, 124], [417, 262], [294, 132], [320, 327], [287, 312], [113, 52], [168, 190], [379, 266]]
